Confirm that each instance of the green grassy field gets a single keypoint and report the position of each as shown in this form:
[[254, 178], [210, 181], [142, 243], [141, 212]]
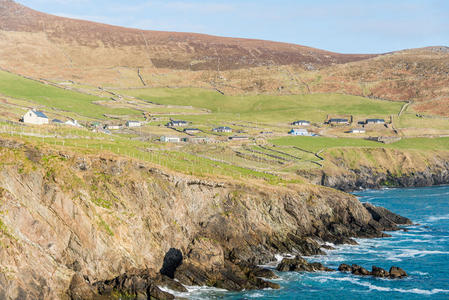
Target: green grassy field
[[55, 98], [267, 108], [315, 144]]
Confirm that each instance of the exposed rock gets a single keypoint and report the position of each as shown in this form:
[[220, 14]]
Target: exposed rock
[[358, 270], [392, 168], [396, 272], [379, 272], [344, 268], [299, 264], [80, 289], [117, 215], [135, 285]]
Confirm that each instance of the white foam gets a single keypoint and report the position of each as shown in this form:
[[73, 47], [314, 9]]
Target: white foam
[[374, 287], [438, 218]]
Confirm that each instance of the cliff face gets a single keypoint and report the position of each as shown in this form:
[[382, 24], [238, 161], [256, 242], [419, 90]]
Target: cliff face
[[354, 169], [69, 223]]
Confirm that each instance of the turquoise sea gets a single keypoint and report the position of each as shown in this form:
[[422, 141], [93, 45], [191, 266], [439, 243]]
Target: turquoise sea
[[423, 252]]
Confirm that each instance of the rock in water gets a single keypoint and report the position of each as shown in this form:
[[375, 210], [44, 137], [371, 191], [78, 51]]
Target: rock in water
[[396, 272], [379, 272], [358, 270], [344, 268], [299, 264]]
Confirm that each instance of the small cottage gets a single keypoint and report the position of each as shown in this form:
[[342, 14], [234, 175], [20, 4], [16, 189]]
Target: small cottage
[[170, 139], [357, 130], [73, 123], [338, 121], [174, 123], [299, 132], [223, 129], [301, 123], [374, 121], [192, 130], [35, 117], [130, 124], [112, 127]]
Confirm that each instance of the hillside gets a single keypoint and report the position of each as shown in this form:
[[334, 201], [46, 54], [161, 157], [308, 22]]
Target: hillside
[[60, 49], [33, 39]]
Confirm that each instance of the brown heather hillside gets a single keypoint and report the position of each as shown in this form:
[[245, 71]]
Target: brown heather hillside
[[81, 44], [59, 49]]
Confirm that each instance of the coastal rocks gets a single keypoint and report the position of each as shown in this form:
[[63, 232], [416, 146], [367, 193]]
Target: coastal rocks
[[386, 218], [102, 221], [230, 277], [299, 264], [360, 271], [381, 168], [379, 272], [134, 284], [395, 272]]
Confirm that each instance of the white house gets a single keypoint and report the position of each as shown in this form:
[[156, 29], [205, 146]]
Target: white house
[[222, 129], [357, 130], [180, 123], [35, 117], [73, 123], [170, 139], [375, 121], [301, 123], [133, 124], [112, 127], [299, 132]]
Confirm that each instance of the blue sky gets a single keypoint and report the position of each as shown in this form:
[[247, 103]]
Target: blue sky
[[347, 26]]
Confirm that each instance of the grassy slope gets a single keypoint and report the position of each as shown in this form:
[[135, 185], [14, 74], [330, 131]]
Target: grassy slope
[[267, 108], [318, 143], [52, 97]]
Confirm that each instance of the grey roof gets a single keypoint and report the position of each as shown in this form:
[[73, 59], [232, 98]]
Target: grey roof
[[57, 121], [338, 120], [375, 120], [40, 114], [302, 121]]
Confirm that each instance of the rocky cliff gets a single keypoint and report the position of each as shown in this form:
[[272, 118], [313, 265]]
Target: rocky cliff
[[76, 226], [354, 169]]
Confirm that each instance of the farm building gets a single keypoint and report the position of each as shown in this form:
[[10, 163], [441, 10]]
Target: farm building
[[73, 123], [338, 121], [357, 130], [170, 139], [35, 117], [301, 123], [222, 129], [112, 127], [375, 121], [299, 132], [180, 123], [57, 122], [192, 130], [133, 124]]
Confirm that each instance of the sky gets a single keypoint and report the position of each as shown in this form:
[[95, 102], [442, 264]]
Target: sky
[[345, 26]]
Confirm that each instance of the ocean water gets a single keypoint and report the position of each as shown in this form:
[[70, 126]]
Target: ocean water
[[423, 252]]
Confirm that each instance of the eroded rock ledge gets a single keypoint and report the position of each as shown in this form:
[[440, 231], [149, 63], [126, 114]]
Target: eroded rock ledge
[[74, 224]]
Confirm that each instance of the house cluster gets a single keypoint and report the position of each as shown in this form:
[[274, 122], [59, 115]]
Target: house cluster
[[223, 129], [175, 123], [301, 131]]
